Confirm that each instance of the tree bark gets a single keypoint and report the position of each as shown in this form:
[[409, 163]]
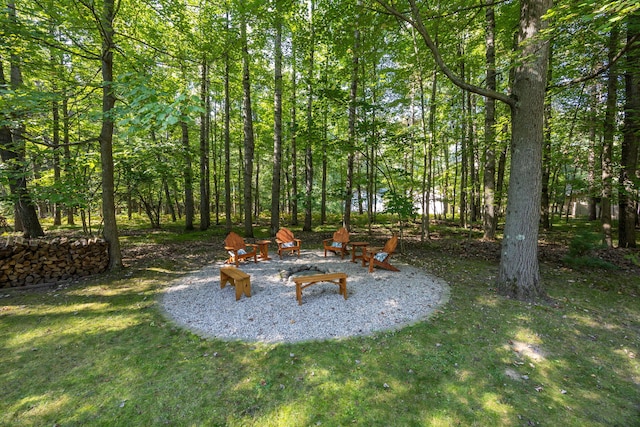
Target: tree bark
[[110, 230], [546, 157], [519, 274], [608, 137], [277, 126], [489, 218], [205, 199], [294, 142], [67, 153], [249, 142], [187, 175], [13, 153], [353, 98], [627, 191], [308, 157], [227, 136]]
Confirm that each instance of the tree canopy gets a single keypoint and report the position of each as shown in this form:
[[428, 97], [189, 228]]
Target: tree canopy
[[473, 112]]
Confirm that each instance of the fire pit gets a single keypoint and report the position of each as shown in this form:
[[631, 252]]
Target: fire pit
[[301, 270]]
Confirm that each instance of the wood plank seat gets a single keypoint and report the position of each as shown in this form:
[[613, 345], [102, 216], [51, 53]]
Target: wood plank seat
[[287, 242], [302, 282], [380, 257], [238, 250], [238, 278], [338, 243]]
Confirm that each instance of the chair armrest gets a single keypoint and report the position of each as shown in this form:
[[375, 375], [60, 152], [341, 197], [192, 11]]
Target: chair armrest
[[372, 250], [229, 248], [325, 241], [253, 245]]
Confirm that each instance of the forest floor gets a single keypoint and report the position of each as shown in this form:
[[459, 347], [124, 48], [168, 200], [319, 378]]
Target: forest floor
[[554, 248]]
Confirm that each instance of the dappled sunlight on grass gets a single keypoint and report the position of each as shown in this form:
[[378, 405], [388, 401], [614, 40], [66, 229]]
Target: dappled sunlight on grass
[[102, 353], [33, 408], [487, 301], [161, 270]]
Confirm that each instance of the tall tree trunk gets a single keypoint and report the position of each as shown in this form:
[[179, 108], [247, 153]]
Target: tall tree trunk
[[433, 105], [205, 199], [249, 142], [187, 175], [592, 163], [277, 126], [67, 152], [215, 156], [464, 157], [546, 155], [353, 98], [55, 112], [227, 136], [13, 154], [519, 274], [608, 137], [627, 192], [110, 229], [489, 217], [308, 157], [294, 141], [325, 157]]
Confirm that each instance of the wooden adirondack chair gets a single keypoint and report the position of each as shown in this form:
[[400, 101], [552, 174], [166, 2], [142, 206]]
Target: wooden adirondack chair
[[287, 242], [338, 243], [238, 249], [380, 256]]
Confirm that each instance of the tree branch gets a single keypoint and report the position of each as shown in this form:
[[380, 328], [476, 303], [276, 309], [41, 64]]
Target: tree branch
[[418, 24], [598, 71], [45, 141]]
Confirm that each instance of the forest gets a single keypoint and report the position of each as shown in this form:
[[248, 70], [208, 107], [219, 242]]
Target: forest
[[504, 115]]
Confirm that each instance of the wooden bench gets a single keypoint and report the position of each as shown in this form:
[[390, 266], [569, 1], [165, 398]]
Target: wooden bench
[[302, 282], [238, 278]]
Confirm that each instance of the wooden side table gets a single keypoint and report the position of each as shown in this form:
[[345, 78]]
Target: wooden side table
[[264, 249], [354, 248]]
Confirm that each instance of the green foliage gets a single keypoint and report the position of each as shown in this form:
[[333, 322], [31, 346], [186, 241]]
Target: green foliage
[[399, 204], [584, 243], [581, 251], [635, 259]]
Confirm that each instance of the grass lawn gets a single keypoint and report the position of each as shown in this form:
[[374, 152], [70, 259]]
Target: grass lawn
[[100, 352]]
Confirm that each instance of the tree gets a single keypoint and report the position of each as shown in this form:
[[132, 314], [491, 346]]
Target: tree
[[205, 192], [277, 122], [227, 127], [12, 148], [519, 274], [489, 217], [353, 98], [308, 157], [627, 193], [106, 136], [249, 143], [608, 137]]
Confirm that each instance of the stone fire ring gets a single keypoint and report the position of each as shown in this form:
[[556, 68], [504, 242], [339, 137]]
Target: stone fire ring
[[378, 301]]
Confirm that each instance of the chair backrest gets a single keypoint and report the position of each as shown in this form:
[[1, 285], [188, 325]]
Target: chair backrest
[[234, 241], [285, 235], [391, 244], [342, 235]]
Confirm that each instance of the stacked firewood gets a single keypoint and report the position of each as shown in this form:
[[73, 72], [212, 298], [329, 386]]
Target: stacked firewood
[[27, 262]]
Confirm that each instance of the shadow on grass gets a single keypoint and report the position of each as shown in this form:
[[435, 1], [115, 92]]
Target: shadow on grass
[[102, 354]]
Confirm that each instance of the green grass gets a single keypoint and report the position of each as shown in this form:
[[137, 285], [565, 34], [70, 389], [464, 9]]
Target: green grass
[[100, 352]]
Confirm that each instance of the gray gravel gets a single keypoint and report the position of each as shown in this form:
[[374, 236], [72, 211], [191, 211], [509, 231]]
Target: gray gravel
[[377, 301]]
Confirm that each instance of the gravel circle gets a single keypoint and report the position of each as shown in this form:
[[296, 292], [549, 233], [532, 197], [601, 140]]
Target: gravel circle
[[377, 301]]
